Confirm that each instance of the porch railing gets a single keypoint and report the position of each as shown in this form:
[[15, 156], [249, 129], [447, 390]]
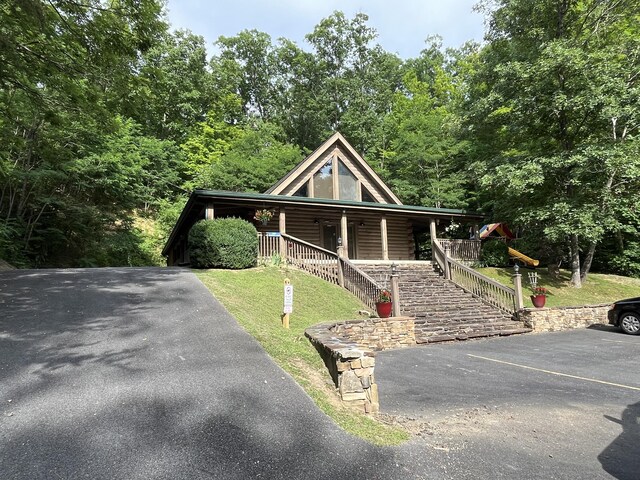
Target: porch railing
[[330, 267], [463, 250], [268, 245], [488, 290], [360, 284], [313, 259]]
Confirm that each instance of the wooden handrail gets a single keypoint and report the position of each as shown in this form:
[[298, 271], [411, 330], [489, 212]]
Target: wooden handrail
[[461, 249], [360, 284], [485, 288], [313, 259], [268, 246], [311, 245], [329, 266]]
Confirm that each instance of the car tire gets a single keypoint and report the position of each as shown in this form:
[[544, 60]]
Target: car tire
[[630, 323]]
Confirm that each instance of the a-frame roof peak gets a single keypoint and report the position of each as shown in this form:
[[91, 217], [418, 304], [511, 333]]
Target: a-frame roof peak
[[315, 161]]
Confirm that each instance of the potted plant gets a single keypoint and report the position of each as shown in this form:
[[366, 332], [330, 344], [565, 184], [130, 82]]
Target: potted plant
[[263, 216], [383, 304], [539, 296]]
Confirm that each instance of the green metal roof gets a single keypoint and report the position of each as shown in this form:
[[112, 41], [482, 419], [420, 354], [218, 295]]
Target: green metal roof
[[279, 199], [265, 200]]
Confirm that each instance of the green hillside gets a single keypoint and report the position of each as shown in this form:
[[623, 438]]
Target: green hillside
[[255, 298], [599, 288]]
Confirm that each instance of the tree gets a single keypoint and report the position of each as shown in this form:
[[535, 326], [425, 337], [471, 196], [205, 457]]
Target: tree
[[65, 68], [175, 86], [254, 161], [555, 108], [424, 160]]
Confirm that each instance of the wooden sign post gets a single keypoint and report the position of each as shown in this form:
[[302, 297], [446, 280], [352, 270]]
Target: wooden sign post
[[288, 302]]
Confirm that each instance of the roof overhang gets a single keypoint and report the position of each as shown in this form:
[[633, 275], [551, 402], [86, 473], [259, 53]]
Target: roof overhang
[[263, 200]]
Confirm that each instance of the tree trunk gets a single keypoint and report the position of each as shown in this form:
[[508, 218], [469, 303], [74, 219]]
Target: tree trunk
[[554, 270], [586, 264], [575, 262]]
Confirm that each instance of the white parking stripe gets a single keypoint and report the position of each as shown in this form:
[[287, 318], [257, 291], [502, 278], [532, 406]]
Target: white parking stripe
[[551, 372], [637, 344]]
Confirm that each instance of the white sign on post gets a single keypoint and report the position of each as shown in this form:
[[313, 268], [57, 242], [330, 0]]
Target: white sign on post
[[288, 299]]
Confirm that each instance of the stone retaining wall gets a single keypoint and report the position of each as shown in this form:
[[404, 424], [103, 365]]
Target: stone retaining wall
[[564, 318], [348, 350], [378, 333]]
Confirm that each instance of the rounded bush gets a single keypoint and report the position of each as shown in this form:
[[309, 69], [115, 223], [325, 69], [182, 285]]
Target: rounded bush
[[223, 243], [494, 253]]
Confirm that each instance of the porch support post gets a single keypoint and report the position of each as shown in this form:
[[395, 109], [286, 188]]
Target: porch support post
[[208, 211], [344, 234], [282, 219], [384, 238], [432, 230], [476, 232], [432, 233]]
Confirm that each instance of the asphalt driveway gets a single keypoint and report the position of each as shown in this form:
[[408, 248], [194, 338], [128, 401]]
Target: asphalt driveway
[[141, 374], [558, 405]]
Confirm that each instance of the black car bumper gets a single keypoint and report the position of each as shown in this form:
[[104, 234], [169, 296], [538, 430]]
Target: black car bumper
[[613, 317]]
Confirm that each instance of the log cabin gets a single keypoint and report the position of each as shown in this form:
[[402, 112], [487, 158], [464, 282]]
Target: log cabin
[[333, 200]]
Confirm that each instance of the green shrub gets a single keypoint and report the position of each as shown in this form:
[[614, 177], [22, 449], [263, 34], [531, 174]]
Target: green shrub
[[223, 243], [494, 253]]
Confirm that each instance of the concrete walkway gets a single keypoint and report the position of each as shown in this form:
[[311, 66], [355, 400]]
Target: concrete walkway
[[141, 374]]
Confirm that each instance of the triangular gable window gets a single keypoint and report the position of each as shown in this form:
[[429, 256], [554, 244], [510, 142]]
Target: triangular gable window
[[348, 183], [340, 185], [367, 197], [323, 181]]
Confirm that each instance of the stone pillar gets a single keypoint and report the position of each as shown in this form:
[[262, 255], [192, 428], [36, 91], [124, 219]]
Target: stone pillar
[[384, 238], [282, 221], [208, 211], [395, 291]]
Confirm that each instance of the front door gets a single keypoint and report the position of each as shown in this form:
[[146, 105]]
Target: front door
[[330, 239]]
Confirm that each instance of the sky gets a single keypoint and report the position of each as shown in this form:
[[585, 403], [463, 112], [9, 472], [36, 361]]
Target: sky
[[402, 25]]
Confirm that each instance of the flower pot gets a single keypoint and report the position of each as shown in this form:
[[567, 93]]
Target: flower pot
[[538, 300], [383, 309]]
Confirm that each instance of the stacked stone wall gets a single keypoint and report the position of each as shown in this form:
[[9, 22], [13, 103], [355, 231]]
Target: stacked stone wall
[[564, 318], [378, 333], [348, 350]]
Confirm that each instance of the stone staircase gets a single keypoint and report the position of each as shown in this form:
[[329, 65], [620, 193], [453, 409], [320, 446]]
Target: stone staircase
[[443, 311]]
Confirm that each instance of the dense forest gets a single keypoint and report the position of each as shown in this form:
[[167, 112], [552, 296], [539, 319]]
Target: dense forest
[[109, 118]]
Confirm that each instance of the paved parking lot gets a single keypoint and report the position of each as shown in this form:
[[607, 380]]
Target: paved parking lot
[[557, 405]]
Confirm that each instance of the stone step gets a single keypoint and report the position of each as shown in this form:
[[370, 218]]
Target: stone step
[[443, 311]]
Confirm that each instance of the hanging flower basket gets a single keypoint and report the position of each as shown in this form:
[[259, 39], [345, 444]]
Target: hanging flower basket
[[263, 216]]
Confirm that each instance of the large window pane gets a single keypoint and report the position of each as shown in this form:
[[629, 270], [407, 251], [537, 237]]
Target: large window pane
[[348, 183], [323, 182], [367, 197]]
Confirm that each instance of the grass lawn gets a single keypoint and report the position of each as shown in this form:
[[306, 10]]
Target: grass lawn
[[255, 297], [599, 288]]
